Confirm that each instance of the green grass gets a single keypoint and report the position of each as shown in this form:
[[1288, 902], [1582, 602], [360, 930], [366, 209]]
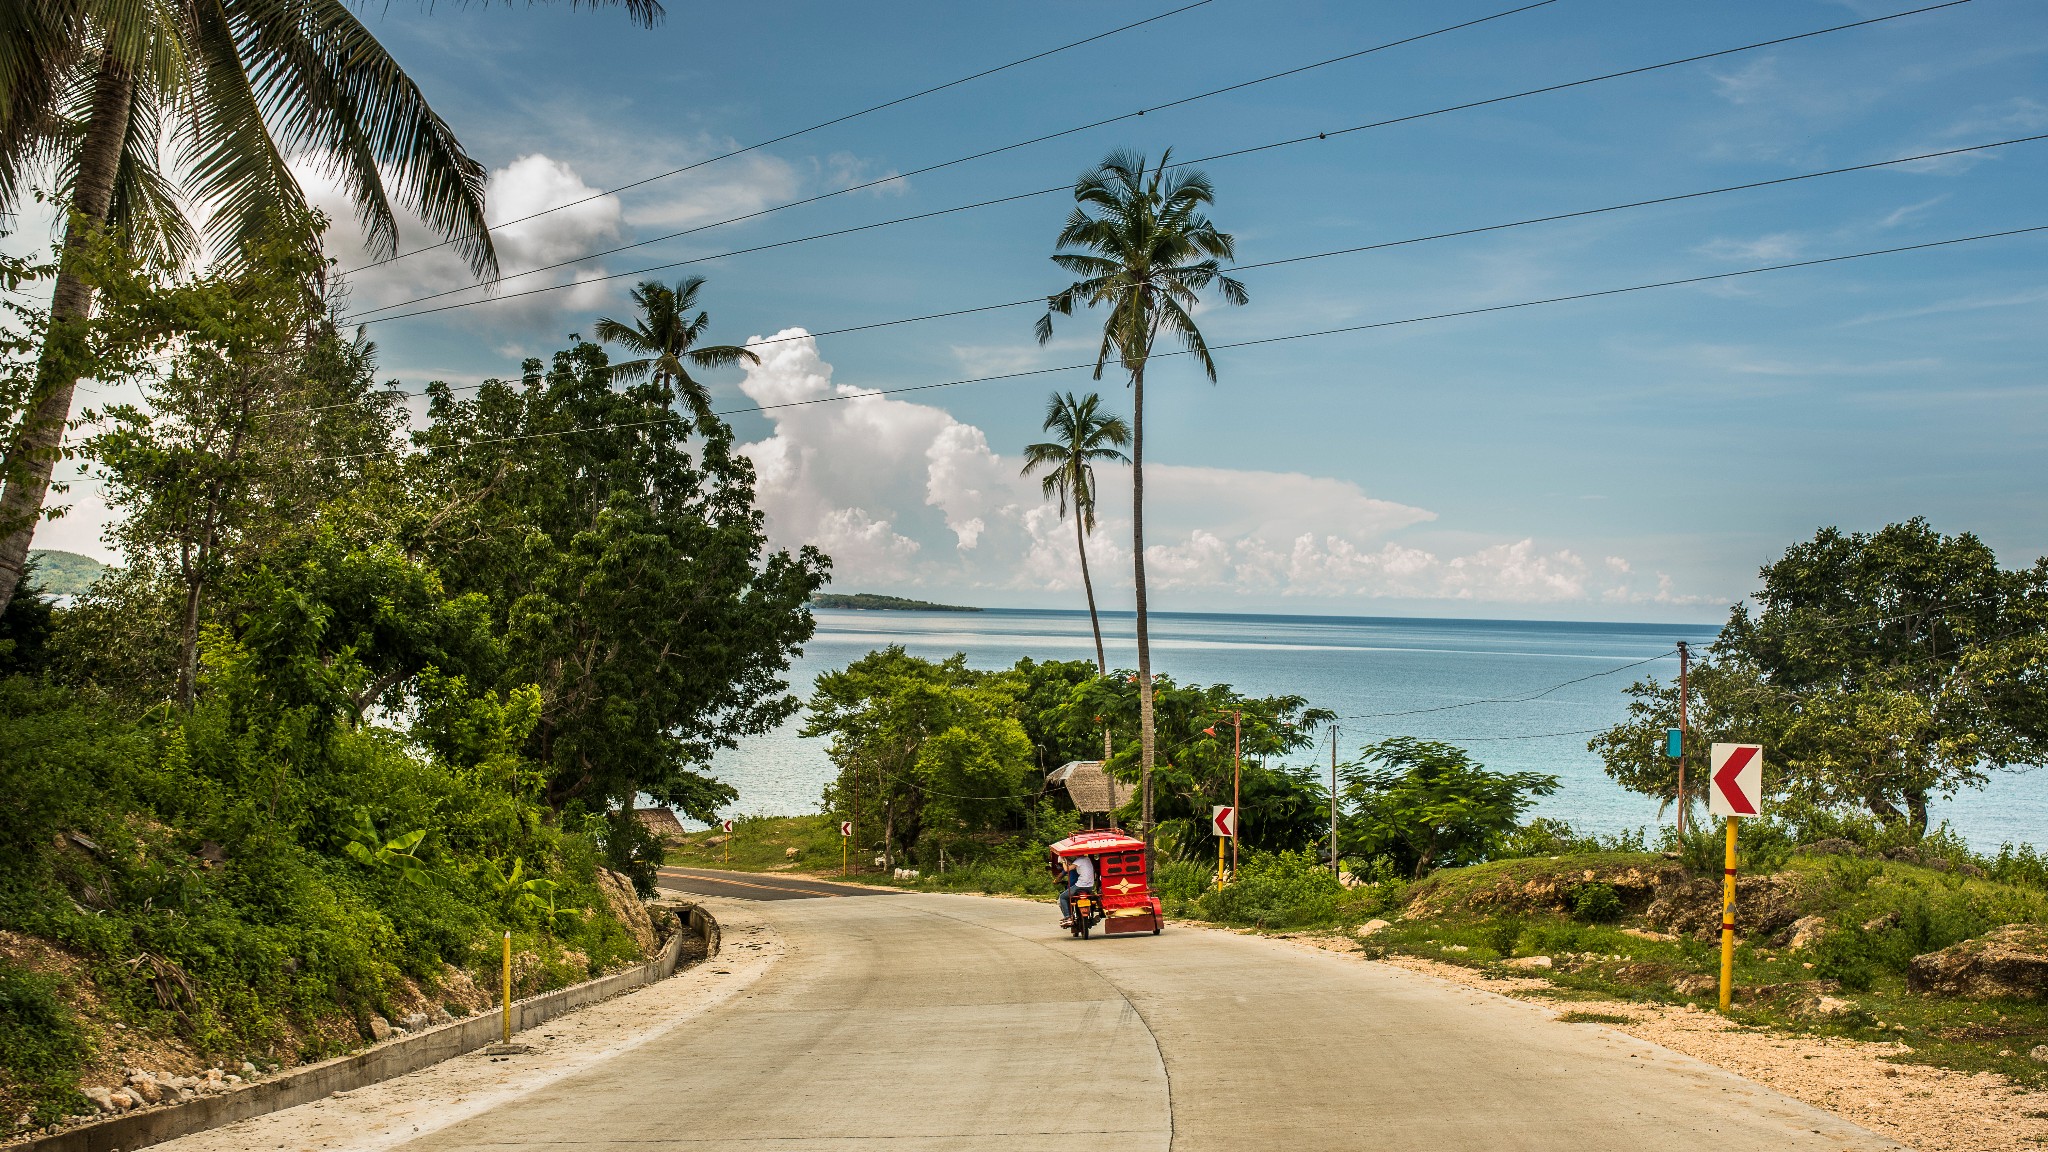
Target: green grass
[[1478, 917], [762, 844]]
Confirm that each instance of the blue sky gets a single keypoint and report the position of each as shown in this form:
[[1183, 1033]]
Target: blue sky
[[1631, 457]]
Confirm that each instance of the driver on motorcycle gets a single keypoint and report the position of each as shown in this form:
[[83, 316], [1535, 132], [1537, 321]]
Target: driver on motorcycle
[[1079, 875]]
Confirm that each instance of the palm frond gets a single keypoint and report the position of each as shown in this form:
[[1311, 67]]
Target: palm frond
[[147, 206], [721, 356], [236, 168], [334, 90]]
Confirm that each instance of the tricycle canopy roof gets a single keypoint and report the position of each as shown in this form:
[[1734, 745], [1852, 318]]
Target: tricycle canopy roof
[[1096, 843]]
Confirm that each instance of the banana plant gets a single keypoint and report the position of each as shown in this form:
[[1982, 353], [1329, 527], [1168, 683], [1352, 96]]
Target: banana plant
[[366, 847]]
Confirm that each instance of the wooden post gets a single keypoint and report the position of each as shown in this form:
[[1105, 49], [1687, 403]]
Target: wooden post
[[1335, 867]]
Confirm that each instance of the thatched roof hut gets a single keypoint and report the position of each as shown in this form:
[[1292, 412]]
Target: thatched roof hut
[[661, 822], [1089, 787]]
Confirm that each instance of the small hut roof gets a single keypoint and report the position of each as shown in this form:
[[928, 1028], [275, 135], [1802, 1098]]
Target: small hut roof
[[660, 821], [1089, 787]]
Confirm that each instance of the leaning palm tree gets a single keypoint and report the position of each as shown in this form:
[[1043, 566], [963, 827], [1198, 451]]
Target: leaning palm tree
[[1084, 435], [663, 334], [90, 89], [1144, 250]]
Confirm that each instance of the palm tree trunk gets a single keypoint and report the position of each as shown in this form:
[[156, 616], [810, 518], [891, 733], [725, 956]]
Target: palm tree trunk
[[1094, 621], [30, 461], [1145, 747]]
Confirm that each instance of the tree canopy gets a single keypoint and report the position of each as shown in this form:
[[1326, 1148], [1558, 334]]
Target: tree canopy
[[1879, 670]]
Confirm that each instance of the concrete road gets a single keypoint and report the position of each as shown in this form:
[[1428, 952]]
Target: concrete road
[[758, 885], [952, 1022]]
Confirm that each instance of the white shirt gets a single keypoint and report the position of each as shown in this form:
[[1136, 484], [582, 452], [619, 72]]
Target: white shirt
[[1084, 872]]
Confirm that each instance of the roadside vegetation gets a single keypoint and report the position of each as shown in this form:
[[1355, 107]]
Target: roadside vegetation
[[362, 696]]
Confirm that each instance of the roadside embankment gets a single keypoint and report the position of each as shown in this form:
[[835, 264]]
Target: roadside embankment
[[695, 938], [394, 1111]]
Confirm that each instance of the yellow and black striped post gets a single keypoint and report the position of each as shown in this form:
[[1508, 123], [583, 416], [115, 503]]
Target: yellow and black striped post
[[506, 989], [1728, 920]]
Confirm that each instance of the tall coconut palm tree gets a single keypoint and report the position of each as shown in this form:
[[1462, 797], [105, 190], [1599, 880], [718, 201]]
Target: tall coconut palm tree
[[1084, 435], [1144, 250], [90, 89], [663, 334]]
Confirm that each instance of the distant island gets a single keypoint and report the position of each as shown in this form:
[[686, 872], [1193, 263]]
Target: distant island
[[870, 602], [64, 573]]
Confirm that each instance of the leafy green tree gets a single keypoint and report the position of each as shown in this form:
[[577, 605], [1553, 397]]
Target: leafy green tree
[[1879, 670], [1145, 250], [924, 748], [1085, 436], [1196, 768], [264, 415], [1428, 805], [1045, 691], [626, 566], [93, 89], [665, 335]]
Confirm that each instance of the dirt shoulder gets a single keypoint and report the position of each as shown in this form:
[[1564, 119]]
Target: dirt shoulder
[[387, 1114], [1931, 1109]]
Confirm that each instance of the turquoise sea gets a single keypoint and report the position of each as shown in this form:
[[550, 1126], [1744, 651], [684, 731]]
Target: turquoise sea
[[1471, 682]]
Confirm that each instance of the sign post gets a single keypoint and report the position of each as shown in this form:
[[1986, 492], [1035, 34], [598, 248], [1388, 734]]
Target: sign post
[[506, 983], [728, 841], [1737, 793], [845, 837], [1223, 822]]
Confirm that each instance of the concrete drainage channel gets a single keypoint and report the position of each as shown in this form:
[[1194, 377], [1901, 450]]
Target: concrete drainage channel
[[697, 939]]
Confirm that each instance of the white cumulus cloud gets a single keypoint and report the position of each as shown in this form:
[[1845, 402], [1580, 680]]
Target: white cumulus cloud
[[905, 495]]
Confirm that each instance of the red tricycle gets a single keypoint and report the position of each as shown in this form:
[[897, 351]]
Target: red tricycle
[[1120, 900]]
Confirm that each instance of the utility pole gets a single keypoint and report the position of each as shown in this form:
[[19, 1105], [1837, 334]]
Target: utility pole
[[1684, 741], [1334, 868]]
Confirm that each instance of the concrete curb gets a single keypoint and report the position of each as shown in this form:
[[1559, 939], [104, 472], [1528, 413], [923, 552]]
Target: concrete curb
[[393, 1058]]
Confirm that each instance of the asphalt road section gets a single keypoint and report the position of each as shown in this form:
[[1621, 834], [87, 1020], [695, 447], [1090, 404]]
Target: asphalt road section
[[953, 1022], [757, 885]]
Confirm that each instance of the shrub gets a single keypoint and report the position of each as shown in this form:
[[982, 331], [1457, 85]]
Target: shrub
[[1182, 880], [1276, 890], [1847, 955], [2022, 865], [1763, 846], [1548, 836], [1550, 939], [1503, 934], [1597, 903], [41, 1046]]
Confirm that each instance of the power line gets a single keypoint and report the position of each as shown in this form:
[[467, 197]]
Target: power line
[[1514, 699], [1465, 312], [1232, 154], [806, 131], [1478, 739], [981, 155], [1404, 242]]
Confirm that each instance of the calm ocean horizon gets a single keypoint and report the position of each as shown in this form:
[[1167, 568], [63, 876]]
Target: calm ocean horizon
[[1468, 682]]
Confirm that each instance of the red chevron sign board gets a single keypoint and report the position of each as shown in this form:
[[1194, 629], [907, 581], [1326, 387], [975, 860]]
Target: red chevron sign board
[[1738, 780], [846, 827], [728, 825], [1223, 821]]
